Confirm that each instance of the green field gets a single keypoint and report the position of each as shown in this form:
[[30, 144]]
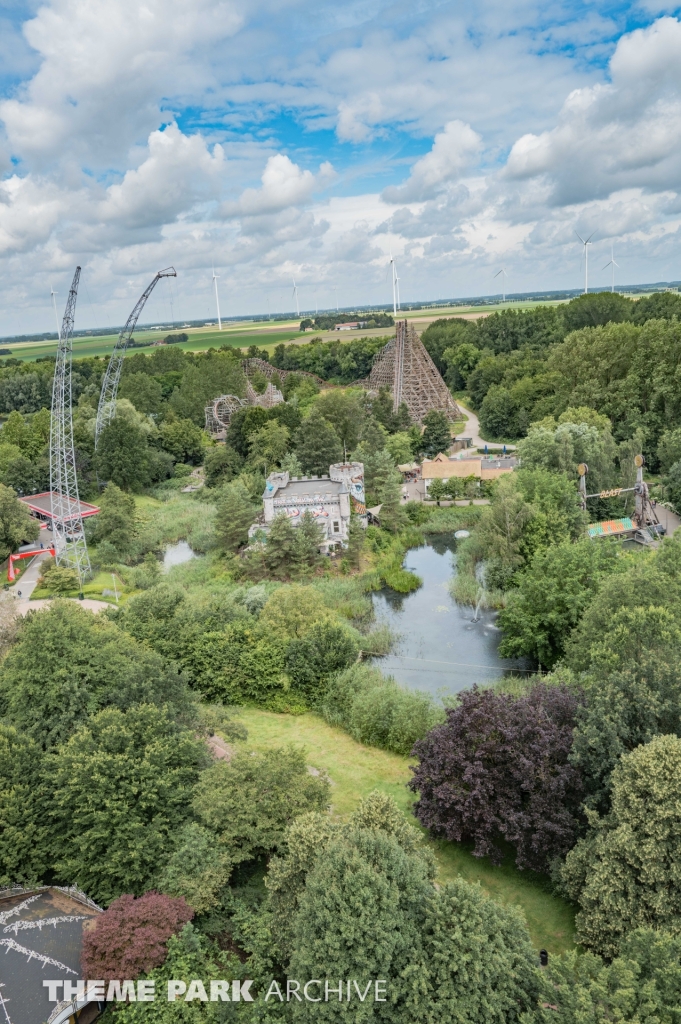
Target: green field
[[356, 770], [245, 333]]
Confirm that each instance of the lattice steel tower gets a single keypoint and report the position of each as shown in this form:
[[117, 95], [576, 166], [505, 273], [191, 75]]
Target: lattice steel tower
[[67, 523], [107, 399]]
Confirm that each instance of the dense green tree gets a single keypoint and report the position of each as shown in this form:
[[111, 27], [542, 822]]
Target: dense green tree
[[61, 579], [317, 444], [221, 464], [672, 482], [654, 581], [8, 453], [595, 309], [191, 957], [282, 552], [16, 525], [16, 431], [123, 784], [550, 597], [498, 414], [183, 440], [326, 647], [68, 663], [235, 513], [269, 444], [382, 411], [345, 411], [460, 361], [669, 449], [197, 869], [117, 519], [205, 379], [290, 611], [26, 477], [658, 306], [143, 390], [436, 436], [641, 984], [478, 962], [573, 440], [625, 873], [361, 917], [23, 829], [123, 454], [634, 694], [446, 334], [242, 424], [400, 446], [250, 801], [310, 535]]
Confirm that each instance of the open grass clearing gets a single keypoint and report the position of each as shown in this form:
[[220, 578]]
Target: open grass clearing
[[356, 770]]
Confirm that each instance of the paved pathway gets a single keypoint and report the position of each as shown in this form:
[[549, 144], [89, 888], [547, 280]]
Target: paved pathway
[[20, 592], [472, 430]]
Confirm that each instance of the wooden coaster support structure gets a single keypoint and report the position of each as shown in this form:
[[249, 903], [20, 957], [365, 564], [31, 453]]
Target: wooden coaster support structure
[[405, 367]]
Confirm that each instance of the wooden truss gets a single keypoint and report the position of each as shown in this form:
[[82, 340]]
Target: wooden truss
[[405, 367]]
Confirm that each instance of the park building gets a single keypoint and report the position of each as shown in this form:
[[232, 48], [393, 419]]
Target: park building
[[484, 467], [330, 499]]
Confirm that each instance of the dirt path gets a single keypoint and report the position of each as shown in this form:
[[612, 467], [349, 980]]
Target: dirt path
[[472, 429]]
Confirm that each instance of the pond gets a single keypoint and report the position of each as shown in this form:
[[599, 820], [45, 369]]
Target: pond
[[440, 648], [176, 554]]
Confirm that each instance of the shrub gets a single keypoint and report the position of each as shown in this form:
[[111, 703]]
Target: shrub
[[325, 648], [131, 936], [375, 711]]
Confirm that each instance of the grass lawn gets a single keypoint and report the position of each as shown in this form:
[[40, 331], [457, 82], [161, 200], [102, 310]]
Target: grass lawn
[[93, 589], [356, 770]]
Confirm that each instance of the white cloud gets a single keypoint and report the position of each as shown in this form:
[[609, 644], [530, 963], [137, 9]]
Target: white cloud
[[283, 184], [623, 134], [178, 172], [453, 151], [106, 66]]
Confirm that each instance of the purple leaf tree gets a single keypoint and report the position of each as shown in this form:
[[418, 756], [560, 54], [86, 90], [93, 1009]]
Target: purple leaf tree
[[498, 769]]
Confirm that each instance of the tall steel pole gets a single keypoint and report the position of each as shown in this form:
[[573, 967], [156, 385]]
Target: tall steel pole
[[107, 399], [67, 523]]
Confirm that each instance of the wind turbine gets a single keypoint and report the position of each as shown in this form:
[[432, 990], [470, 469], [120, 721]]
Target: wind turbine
[[586, 242], [217, 300], [335, 288], [503, 282], [394, 275], [295, 295], [611, 262], [56, 315]]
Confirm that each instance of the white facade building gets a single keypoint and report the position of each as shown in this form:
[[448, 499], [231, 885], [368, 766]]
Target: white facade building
[[330, 499]]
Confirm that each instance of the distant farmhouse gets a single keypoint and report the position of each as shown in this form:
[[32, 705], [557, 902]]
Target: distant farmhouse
[[330, 500]]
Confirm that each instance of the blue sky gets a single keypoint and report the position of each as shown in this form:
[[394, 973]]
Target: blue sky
[[312, 140]]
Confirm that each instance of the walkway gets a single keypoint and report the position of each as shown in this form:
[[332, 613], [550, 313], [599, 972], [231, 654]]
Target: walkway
[[20, 592], [472, 430]]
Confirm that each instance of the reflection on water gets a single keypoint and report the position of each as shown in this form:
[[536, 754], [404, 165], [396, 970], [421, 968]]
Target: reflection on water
[[440, 648], [176, 554]]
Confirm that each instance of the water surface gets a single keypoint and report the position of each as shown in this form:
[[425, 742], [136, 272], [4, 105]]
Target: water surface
[[176, 554], [440, 648]]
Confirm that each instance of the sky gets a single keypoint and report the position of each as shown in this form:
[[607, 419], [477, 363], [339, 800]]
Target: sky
[[273, 140]]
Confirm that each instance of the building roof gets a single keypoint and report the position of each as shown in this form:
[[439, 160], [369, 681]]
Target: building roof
[[41, 935], [306, 487], [41, 503]]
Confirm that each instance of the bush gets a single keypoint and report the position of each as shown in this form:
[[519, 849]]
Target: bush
[[131, 936], [375, 711], [60, 579], [312, 658]]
